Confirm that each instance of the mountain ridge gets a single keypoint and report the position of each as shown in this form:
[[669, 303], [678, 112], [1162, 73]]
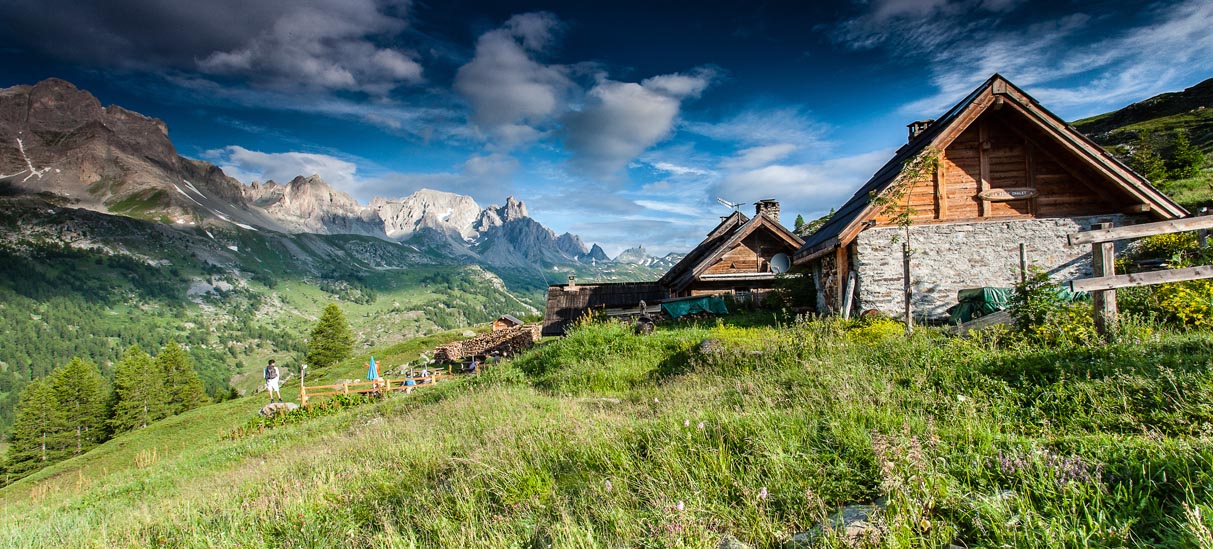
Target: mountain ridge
[[56, 138]]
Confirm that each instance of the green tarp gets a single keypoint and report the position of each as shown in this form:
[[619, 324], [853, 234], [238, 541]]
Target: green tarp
[[979, 302], [705, 304]]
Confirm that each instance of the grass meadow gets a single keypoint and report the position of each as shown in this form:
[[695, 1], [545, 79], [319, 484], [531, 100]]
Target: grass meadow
[[608, 439]]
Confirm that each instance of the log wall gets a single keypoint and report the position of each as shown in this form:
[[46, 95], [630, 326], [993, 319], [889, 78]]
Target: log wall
[[993, 153]]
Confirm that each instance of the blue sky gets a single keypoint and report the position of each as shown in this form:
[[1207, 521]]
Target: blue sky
[[618, 121]]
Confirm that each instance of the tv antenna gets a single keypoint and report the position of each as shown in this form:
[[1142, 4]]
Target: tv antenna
[[735, 206]]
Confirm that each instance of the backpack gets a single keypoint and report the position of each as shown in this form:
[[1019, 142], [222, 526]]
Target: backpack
[[271, 372]]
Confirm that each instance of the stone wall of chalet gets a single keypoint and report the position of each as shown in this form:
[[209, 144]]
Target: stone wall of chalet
[[948, 257]]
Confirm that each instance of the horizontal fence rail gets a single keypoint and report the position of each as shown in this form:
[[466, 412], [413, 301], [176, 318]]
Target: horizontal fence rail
[[1144, 229]]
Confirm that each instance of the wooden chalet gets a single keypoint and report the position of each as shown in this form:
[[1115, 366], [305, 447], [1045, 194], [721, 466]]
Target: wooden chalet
[[568, 302], [505, 322], [735, 257], [1011, 180]]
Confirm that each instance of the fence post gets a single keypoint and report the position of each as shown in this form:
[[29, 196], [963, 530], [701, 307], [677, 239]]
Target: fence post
[[1103, 263], [1202, 235], [1023, 262]]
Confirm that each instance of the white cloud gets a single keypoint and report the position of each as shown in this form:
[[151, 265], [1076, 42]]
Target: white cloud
[[248, 166], [681, 170], [765, 127], [511, 93], [420, 121], [486, 178], [320, 47], [1072, 63], [754, 157], [803, 187], [620, 120]]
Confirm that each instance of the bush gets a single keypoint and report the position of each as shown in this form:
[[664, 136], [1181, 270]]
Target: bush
[[1044, 314]]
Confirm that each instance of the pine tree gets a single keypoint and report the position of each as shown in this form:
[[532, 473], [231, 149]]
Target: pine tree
[[184, 387], [139, 395], [80, 392], [332, 340], [1186, 160], [799, 222], [1146, 160], [38, 437]]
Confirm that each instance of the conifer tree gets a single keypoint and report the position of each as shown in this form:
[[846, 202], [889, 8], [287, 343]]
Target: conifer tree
[[80, 391], [38, 432], [1186, 160], [139, 395], [332, 340], [799, 222], [184, 387], [1146, 161]]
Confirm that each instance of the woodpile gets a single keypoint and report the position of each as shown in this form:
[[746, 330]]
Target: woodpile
[[501, 342]]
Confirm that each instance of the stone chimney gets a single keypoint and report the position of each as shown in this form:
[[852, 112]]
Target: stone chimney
[[768, 207], [919, 126]]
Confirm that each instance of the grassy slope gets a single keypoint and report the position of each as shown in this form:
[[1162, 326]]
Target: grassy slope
[[595, 440]]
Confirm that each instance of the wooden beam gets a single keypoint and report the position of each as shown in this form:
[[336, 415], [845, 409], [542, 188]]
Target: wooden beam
[[1103, 265], [1144, 229], [850, 296], [1030, 164], [1141, 279], [941, 193], [983, 156], [843, 267]]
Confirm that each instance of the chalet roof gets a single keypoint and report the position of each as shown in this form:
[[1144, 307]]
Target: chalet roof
[[511, 319], [566, 303], [847, 221], [720, 240]]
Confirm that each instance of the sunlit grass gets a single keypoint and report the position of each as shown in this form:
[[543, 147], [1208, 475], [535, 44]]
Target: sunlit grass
[[607, 439]]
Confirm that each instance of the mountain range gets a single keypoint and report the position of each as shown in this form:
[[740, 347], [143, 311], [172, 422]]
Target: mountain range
[[109, 237], [59, 140]]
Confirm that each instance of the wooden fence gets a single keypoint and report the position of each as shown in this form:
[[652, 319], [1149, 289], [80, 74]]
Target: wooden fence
[[1103, 264], [366, 387]]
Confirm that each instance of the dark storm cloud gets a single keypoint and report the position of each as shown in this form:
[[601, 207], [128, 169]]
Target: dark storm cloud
[[316, 44]]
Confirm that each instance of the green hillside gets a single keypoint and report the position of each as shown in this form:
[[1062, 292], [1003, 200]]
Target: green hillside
[[607, 439], [77, 283], [1190, 110]]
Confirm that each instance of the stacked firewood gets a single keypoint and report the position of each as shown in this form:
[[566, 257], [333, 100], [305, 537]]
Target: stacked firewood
[[502, 342]]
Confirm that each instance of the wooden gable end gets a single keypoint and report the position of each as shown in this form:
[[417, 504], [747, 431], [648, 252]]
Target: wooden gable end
[[752, 254], [1001, 152]]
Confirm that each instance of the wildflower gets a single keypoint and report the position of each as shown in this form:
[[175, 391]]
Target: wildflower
[[655, 401], [961, 398], [762, 494], [608, 485], [681, 507], [700, 425], [686, 423]]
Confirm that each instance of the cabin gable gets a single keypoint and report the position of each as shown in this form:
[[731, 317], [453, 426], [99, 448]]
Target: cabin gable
[[1002, 151]]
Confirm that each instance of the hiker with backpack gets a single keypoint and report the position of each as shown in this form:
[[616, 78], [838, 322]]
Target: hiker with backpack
[[271, 381]]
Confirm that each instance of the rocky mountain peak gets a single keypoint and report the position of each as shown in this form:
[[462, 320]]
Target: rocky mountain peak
[[596, 253]]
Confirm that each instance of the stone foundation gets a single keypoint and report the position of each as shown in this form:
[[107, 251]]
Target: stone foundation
[[948, 257]]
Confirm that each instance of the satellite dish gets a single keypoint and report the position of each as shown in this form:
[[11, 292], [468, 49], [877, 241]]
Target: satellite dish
[[780, 263]]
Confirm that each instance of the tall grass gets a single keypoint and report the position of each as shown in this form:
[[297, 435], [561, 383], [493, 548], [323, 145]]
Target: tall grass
[[607, 439]]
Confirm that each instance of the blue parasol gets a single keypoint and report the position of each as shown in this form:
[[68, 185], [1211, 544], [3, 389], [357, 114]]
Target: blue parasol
[[372, 372]]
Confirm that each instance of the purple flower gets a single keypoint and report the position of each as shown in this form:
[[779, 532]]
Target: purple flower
[[700, 425], [686, 423], [681, 507], [608, 485], [762, 494]]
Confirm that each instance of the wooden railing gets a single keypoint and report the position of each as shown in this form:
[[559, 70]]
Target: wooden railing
[[1103, 260], [367, 387]]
